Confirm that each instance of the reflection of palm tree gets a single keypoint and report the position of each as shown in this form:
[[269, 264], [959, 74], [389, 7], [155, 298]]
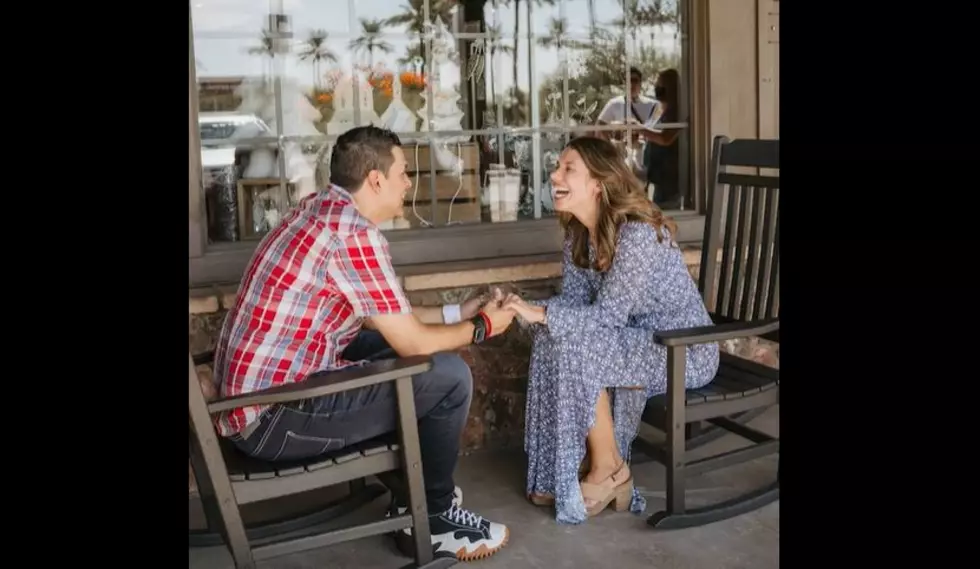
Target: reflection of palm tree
[[411, 53], [266, 48], [517, 28], [558, 36], [265, 45], [413, 14], [316, 51], [369, 41], [517, 35], [646, 13], [493, 46]]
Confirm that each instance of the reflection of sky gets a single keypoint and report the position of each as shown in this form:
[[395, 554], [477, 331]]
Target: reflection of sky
[[225, 29]]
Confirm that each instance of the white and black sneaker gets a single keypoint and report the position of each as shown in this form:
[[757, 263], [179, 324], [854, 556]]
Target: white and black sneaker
[[457, 501], [458, 533], [466, 535]]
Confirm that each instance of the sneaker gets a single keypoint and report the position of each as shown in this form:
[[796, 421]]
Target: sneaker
[[457, 501], [457, 533], [466, 535]]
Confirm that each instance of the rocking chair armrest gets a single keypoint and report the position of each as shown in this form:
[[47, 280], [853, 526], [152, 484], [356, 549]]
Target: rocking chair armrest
[[716, 332], [325, 384]]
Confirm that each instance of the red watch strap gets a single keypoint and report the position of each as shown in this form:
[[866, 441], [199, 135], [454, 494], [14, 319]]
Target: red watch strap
[[486, 320]]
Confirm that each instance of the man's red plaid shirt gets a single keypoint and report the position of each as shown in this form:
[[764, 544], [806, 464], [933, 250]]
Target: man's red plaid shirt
[[305, 293]]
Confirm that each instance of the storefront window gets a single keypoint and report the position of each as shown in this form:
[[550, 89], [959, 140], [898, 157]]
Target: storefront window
[[483, 94]]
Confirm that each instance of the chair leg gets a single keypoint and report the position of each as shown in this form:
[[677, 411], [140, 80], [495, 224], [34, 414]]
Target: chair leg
[[229, 515], [356, 485], [412, 465], [209, 503], [676, 440], [676, 447], [694, 429]]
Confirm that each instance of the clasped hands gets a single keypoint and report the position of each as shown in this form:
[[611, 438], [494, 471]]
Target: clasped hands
[[502, 308]]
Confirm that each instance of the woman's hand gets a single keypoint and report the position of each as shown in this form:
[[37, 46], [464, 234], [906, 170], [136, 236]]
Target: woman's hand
[[530, 313]]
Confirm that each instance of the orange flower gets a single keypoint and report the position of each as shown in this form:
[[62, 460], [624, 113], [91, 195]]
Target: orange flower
[[378, 80], [413, 80]]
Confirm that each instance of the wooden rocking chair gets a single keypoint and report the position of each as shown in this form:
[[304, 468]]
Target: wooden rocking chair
[[740, 285], [228, 479]]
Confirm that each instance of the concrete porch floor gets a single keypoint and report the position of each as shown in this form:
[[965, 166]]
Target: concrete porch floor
[[493, 486]]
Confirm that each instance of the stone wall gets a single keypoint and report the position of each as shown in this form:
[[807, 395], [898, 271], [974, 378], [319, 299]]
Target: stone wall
[[499, 365]]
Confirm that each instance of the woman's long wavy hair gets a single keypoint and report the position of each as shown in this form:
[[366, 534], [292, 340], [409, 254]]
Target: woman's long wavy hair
[[622, 198]]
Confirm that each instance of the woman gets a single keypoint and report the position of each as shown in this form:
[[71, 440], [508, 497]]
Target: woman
[[660, 153], [623, 280]]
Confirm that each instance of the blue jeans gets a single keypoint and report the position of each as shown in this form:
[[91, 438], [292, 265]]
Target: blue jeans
[[312, 427]]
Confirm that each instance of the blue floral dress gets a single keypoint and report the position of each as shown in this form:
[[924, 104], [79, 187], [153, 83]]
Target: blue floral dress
[[600, 335]]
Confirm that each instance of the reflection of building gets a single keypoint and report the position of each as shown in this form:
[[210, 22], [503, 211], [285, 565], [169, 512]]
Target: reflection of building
[[218, 93]]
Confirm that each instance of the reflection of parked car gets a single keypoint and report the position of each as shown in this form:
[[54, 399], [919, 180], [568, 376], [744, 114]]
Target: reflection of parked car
[[230, 129], [228, 138]]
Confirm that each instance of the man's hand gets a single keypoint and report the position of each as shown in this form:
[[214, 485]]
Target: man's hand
[[500, 318], [469, 308]]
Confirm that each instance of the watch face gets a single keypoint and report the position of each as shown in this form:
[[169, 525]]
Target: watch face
[[479, 330]]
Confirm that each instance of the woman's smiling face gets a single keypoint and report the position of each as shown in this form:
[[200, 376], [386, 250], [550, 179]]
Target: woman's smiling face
[[572, 187]]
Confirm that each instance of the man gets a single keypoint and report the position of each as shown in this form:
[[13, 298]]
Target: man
[[315, 281], [641, 111]]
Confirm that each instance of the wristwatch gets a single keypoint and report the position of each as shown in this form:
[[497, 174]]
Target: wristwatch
[[481, 327]]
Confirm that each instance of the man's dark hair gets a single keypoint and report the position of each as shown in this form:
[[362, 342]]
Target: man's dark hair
[[636, 71], [357, 152]]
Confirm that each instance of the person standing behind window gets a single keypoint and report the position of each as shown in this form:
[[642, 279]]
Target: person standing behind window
[[660, 155]]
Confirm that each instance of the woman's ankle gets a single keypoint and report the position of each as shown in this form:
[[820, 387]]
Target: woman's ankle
[[601, 470]]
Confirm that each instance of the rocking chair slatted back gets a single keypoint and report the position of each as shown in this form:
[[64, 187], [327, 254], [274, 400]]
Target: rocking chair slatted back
[[739, 276]]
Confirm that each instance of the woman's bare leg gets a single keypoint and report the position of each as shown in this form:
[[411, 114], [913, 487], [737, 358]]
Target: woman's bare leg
[[604, 457]]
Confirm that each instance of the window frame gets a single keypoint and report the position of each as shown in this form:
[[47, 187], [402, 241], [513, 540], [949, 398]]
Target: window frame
[[224, 263]]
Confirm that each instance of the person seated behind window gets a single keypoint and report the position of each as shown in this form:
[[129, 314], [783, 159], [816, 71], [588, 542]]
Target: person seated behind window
[[594, 363], [315, 282]]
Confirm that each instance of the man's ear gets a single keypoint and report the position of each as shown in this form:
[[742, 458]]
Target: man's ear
[[373, 180]]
